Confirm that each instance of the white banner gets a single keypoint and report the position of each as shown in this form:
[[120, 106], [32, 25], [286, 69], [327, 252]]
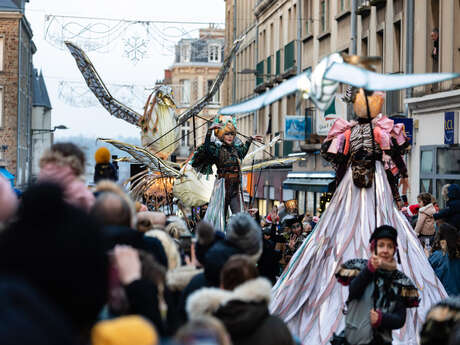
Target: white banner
[[325, 119]]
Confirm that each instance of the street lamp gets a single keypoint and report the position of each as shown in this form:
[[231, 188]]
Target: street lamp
[[39, 130]]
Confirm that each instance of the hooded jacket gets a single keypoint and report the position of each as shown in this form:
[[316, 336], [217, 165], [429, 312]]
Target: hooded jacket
[[451, 214], [243, 311], [425, 221]]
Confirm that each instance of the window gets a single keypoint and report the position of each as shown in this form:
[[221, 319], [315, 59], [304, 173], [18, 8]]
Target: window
[[323, 16], [185, 52], [307, 16], [185, 91], [216, 98], [214, 53], [439, 165], [344, 5], [2, 124], [2, 43], [380, 50], [364, 46], [184, 136]]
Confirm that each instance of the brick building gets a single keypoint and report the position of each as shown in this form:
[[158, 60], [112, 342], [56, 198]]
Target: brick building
[[16, 71]]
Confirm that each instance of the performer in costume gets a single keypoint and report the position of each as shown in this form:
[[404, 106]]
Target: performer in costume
[[226, 153], [364, 152], [378, 293]]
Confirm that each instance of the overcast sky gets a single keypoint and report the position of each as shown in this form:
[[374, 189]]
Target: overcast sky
[[58, 65]]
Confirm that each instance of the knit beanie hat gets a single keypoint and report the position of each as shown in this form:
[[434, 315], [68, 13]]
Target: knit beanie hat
[[125, 330], [244, 232], [102, 155]]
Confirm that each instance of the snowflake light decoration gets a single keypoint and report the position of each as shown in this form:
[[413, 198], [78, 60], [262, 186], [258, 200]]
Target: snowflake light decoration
[[136, 48]]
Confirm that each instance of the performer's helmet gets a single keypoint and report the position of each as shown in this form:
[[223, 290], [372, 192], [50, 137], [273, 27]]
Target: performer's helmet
[[375, 100]]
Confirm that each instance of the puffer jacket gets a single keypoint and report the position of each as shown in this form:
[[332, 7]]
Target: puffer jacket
[[244, 313], [425, 221], [451, 214]]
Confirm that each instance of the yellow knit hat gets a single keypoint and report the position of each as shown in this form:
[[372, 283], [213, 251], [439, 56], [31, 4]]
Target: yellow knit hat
[[102, 155], [125, 330]]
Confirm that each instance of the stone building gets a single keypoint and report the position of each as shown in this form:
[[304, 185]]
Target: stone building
[[42, 135], [197, 63], [16, 72], [287, 37]]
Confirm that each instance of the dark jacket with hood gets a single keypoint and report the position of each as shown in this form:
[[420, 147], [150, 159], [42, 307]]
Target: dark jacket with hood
[[451, 214], [244, 313], [214, 259]]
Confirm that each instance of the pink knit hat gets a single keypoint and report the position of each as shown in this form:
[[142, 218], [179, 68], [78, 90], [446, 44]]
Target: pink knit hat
[[8, 200]]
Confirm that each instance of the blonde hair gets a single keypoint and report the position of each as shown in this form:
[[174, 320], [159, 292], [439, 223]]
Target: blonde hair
[[444, 191], [65, 154], [169, 245]]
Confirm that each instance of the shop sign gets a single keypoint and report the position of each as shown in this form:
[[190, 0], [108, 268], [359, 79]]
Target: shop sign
[[449, 123], [325, 119], [295, 127]]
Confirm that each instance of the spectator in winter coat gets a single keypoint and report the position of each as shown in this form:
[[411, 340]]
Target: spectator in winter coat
[[115, 210], [64, 164], [59, 250], [104, 170], [442, 323], [425, 221], [243, 236], [445, 259], [451, 213], [203, 330], [241, 303], [378, 293]]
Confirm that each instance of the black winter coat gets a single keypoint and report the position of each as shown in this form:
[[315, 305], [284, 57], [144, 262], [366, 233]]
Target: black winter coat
[[244, 313], [451, 214]]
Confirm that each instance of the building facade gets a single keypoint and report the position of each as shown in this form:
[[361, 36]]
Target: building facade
[[196, 65], [16, 72], [287, 37], [41, 133]]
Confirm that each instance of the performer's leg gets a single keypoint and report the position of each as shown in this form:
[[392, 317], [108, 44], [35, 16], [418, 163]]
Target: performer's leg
[[235, 204]]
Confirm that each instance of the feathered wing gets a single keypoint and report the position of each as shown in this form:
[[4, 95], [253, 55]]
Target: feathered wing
[[359, 77], [195, 109], [322, 84], [97, 86], [145, 157]]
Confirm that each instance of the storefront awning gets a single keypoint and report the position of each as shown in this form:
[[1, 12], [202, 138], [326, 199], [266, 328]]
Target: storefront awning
[[309, 181], [6, 174]]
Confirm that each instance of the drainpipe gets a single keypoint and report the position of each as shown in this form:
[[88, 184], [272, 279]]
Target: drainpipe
[[354, 44], [299, 54], [409, 46], [354, 25], [234, 60], [255, 116], [18, 138]]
